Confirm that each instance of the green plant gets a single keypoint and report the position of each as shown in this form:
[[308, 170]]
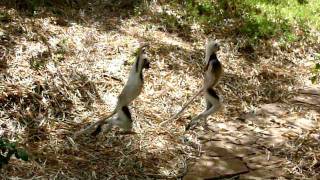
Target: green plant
[[4, 17], [8, 149], [62, 50], [37, 63], [169, 21], [316, 70], [258, 27]]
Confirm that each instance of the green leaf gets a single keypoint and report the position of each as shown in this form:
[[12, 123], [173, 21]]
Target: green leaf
[[318, 66], [22, 154], [1, 143], [313, 79], [11, 145]]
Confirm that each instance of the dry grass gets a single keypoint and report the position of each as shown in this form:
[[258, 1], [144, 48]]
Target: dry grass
[[44, 99]]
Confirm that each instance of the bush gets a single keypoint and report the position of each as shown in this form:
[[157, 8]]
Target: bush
[[254, 19], [8, 149]]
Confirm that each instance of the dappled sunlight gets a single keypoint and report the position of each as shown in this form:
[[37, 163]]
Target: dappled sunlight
[[62, 71]]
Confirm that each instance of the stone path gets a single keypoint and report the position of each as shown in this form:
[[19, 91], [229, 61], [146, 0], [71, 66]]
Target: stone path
[[254, 145]]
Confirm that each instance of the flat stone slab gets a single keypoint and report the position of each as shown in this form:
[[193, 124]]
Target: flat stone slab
[[303, 123], [213, 167], [263, 174], [308, 99], [235, 138], [238, 148], [262, 161], [310, 90], [273, 109], [226, 149]]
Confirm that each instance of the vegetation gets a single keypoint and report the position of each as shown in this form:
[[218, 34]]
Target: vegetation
[[255, 19], [8, 149]]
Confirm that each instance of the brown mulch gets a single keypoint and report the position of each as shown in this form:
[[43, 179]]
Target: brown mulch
[[59, 78]]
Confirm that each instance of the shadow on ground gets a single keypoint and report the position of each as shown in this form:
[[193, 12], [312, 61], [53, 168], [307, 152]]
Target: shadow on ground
[[260, 144], [256, 146]]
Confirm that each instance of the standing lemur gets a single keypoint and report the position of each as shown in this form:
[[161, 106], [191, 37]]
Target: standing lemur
[[131, 91], [213, 74], [134, 85]]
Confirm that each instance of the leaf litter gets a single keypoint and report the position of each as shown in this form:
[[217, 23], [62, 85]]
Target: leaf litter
[[45, 98]]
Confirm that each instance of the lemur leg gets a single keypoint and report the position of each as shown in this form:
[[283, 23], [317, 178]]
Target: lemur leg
[[213, 105]]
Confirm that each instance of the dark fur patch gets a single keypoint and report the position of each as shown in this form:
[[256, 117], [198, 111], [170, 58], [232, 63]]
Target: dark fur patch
[[188, 127], [214, 62], [141, 76], [137, 63], [213, 56], [213, 93], [97, 131], [209, 105], [126, 111], [146, 64]]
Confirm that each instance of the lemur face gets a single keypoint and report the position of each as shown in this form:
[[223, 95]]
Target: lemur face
[[146, 63], [215, 47]]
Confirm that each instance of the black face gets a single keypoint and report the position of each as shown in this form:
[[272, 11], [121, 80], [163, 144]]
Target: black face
[[146, 64], [215, 47]]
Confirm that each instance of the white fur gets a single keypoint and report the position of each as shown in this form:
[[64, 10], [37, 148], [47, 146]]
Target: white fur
[[216, 105], [133, 86], [211, 46], [131, 91], [121, 121]]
